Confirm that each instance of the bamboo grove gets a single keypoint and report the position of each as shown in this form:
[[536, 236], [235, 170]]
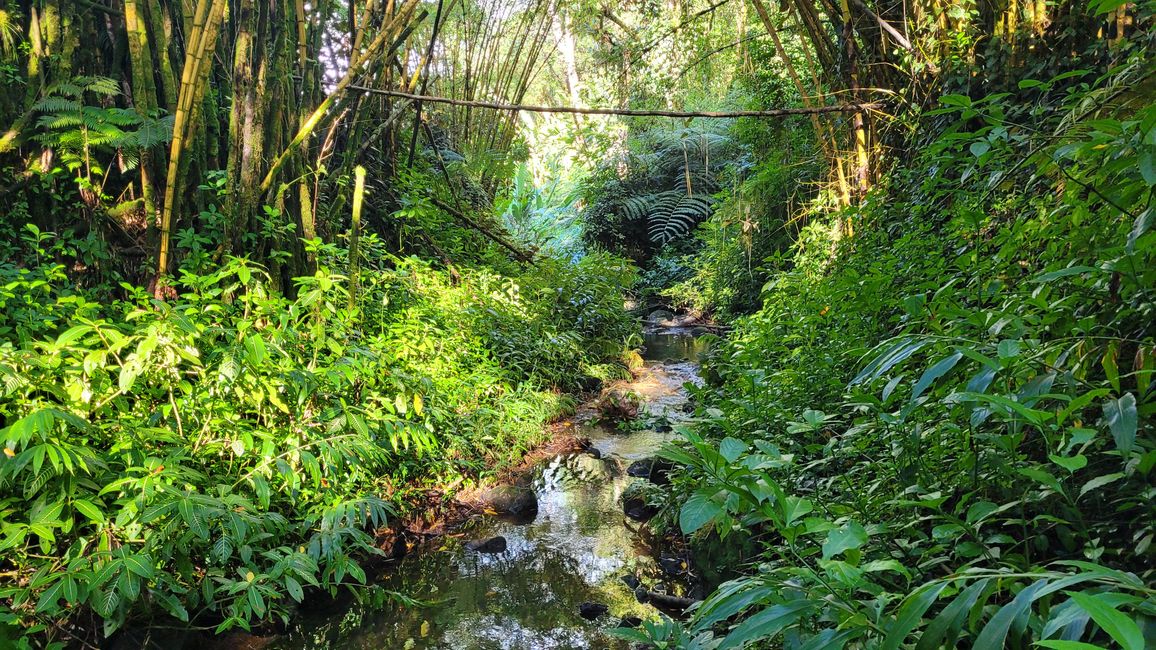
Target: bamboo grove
[[265, 91]]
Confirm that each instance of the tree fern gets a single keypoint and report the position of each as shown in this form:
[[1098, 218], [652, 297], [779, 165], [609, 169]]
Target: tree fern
[[668, 215]]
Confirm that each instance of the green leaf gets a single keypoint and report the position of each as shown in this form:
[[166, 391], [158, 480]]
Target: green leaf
[[1148, 166], [996, 630], [950, 620], [256, 601], [849, 536], [766, 624], [913, 609], [1100, 481], [294, 589], [698, 511], [88, 509], [941, 368], [1063, 273], [1043, 478], [729, 600], [1070, 463], [1122, 421], [732, 448], [1120, 627], [140, 565]]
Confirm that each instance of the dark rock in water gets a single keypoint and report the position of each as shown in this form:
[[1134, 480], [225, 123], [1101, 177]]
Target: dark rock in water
[[634, 503], [490, 545], [593, 452], [663, 427], [672, 604], [674, 566], [631, 581], [638, 509], [510, 499], [656, 470], [630, 621], [591, 611]]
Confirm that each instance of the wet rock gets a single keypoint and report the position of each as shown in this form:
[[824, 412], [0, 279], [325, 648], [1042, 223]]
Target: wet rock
[[635, 505], [619, 405], [660, 318], [488, 545], [638, 509], [631, 581], [591, 611], [588, 384], [656, 470], [674, 566], [663, 426], [594, 452], [510, 499], [675, 604], [630, 621]]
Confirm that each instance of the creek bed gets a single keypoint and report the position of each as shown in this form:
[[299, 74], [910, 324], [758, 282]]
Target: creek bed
[[575, 550]]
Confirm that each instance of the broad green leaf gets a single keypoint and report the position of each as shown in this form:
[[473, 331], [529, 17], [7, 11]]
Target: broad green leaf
[[1043, 478], [1147, 164], [850, 535], [732, 448], [1065, 272], [1122, 421], [1100, 481], [698, 511], [995, 632], [1070, 463], [1068, 645], [1119, 626], [941, 368], [910, 613], [731, 602], [140, 565], [88, 509], [766, 623], [949, 621]]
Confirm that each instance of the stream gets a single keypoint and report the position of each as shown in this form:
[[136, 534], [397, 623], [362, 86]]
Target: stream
[[577, 549]]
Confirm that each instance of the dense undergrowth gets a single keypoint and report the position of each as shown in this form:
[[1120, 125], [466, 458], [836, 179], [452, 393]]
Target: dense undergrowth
[[212, 457], [937, 432]]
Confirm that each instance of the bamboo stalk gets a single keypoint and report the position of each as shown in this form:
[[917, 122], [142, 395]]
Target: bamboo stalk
[[355, 234], [388, 34], [206, 22]]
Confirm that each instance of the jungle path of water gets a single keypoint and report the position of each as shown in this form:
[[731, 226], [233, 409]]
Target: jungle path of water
[[575, 550]]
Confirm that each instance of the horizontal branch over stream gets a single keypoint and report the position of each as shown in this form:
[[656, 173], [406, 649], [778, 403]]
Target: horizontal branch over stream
[[775, 112]]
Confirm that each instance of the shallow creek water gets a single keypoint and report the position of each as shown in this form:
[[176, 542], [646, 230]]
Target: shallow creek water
[[575, 550]]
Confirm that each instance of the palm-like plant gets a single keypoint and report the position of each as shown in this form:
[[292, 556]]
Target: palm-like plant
[[77, 131]]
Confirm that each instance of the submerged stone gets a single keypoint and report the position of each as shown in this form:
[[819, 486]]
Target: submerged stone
[[488, 545], [656, 470], [591, 611], [510, 499]]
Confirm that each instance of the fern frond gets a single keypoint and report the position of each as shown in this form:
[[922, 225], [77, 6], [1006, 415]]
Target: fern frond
[[56, 104], [673, 219]]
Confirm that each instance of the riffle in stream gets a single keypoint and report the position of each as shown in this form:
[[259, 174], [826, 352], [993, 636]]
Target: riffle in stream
[[576, 550]]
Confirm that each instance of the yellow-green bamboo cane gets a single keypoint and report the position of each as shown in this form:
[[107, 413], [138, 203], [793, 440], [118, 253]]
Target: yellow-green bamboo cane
[[389, 32], [355, 235], [202, 37]]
